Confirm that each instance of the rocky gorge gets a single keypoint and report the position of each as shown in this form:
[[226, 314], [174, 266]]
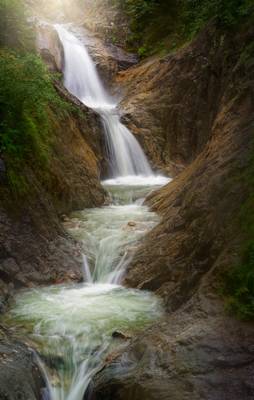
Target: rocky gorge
[[192, 112]]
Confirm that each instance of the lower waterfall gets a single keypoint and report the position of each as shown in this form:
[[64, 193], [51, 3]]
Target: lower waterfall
[[72, 326], [75, 327]]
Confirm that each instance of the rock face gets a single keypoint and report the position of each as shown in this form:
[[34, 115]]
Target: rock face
[[107, 19], [197, 351], [109, 31], [20, 378], [200, 207], [192, 354], [34, 249], [108, 58], [50, 48], [171, 103]]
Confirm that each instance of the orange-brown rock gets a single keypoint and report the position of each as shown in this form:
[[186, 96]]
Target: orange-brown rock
[[49, 46], [171, 103], [200, 207], [197, 351]]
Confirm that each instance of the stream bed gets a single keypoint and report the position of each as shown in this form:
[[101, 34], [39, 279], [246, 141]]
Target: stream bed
[[75, 327]]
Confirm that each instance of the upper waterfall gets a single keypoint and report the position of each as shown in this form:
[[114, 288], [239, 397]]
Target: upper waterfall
[[125, 154]]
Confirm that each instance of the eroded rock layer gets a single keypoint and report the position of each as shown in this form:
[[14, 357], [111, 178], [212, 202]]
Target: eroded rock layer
[[34, 249], [21, 377], [197, 351], [171, 103]]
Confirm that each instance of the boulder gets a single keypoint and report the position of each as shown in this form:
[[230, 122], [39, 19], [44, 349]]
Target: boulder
[[21, 377]]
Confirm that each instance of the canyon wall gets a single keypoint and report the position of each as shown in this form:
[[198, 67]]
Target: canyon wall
[[198, 350], [34, 247]]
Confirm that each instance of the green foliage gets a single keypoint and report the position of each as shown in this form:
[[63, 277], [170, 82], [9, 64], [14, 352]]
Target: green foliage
[[27, 99], [238, 284], [166, 24], [239, 287], [143, 51], [26, 91], [227, 12]]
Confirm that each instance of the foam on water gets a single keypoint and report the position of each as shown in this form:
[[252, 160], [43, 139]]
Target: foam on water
[[72, 327], [107, 235], [137, 180]]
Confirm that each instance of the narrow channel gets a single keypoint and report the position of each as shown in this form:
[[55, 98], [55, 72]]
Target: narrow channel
[[74, 328]]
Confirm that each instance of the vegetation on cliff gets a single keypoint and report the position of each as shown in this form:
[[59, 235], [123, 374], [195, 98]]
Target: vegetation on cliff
[[239, 281], [163, 25], [230, 20], [27, 98], [29, 102]]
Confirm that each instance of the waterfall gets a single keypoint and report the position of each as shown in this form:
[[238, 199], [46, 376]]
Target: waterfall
[[72, 326], [125, 154]]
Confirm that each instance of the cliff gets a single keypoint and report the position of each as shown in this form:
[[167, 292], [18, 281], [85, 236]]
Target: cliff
[[171, 103], [197, 109], [34, 246], [51, 173]]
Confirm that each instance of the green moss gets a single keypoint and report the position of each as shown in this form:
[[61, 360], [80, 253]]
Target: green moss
[[238, 282], [17, 183]]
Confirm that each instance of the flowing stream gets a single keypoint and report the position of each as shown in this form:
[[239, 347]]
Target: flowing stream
[[75, 327]]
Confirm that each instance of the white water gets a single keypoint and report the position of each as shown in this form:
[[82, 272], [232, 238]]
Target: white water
[[109, 234], [81, 79], [71, 326]]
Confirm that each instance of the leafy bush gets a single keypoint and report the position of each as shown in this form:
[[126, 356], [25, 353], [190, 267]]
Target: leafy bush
[[25, 92], [227, 12], [238, 284], [158, 24], [239, 287], [27, 97]]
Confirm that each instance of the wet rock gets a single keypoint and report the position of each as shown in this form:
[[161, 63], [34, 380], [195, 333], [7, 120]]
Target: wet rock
[[34, 247], [70, 225], [183, 356], [171, 103], [50, 47], [64, 218], [197, 351], [132, 223], [20, 377], [109, 58], [198, 207], [120, 335]]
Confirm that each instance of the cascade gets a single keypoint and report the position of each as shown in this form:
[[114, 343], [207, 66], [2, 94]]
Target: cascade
[[72, 326], [125, 154]]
